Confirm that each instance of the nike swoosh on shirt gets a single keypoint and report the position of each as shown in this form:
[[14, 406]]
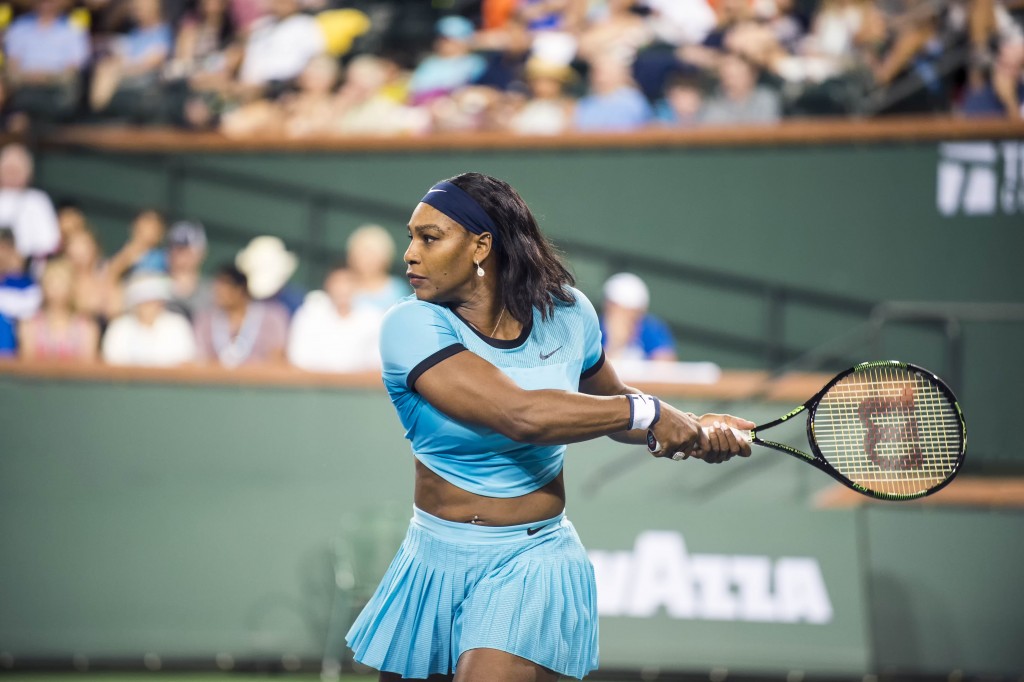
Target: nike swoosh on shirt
[[533, 531], [437, 190], [545, 356]]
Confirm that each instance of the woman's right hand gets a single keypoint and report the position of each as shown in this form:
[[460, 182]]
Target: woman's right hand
[[679, 431]]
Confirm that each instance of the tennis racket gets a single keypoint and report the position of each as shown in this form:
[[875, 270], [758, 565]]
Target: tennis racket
[[887, 429]]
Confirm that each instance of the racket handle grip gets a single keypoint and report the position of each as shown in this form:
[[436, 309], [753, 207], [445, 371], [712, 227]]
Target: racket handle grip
[[654, 447]]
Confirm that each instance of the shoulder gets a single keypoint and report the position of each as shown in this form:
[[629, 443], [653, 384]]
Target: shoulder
[[125, 324], [410, 312], [175, 321], [580, 302], [26, 22]]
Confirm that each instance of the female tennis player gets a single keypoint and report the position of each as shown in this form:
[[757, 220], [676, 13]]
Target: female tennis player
[[493, 365]]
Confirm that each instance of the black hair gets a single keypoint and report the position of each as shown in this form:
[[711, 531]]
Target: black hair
[[234, 276], [530, 271]]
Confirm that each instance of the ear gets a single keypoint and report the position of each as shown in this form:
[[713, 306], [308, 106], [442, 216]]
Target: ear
[[482, 247]]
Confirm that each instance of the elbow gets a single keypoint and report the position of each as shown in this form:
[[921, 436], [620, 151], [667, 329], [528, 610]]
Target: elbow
[[524, 426]]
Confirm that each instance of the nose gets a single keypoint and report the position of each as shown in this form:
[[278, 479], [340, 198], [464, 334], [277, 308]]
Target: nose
[[410, 255]]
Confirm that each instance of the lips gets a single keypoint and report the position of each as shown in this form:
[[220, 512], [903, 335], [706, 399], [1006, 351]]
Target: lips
[[415, 280]]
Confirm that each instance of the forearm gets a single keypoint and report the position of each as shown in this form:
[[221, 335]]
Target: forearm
[[551, 417]]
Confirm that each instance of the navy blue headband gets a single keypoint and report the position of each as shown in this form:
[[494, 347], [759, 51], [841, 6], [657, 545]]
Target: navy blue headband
[[460, 207]]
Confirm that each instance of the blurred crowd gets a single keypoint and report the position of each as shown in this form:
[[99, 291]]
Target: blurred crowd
[[152, 302], [155, 302], [321, 68]]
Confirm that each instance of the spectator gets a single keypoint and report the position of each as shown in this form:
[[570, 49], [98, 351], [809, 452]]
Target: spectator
[[45, 54], [58, 331], [127, 81], [740, 100], [329, 335], [363, 107], [205, 41], [70, 219], [191, 291], [548, 111], [8, 339], [450, 66], [614, 103], [681, 23], [278, 49], [237, 330], [149, 335], [683, 103], [267, 266], [1003, 94], [20, 296], [551, 15], [27, 212], [143, 251], [310, 111], [628, 331], [206, 55], [370, 254], [616, 31], [94, 293]]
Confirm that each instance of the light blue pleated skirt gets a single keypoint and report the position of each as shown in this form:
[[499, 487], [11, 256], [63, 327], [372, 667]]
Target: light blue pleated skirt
[[455, 587]]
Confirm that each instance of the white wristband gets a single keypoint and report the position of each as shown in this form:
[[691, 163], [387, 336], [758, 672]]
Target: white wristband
[[644, 410]]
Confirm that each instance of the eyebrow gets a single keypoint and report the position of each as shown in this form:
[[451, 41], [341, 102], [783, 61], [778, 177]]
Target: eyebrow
[[425, 226]]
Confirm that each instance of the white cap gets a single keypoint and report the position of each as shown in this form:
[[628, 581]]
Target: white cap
[[627, 290], [147, 287], [267, 264]]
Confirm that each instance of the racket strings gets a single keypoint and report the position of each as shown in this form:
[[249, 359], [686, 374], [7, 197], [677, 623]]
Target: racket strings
[[890, 430]]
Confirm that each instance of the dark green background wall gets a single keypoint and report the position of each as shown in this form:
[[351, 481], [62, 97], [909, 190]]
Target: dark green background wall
[[855, 220], [189, 521]]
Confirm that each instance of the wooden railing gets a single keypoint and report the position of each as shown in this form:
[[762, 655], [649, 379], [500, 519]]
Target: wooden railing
[[790, 132], [733, 384]]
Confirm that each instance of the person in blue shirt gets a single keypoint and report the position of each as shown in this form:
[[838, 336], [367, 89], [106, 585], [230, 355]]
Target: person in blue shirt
[[494, 364], [629, 332]]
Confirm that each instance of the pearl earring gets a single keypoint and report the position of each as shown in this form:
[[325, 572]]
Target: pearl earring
[[479, 270]]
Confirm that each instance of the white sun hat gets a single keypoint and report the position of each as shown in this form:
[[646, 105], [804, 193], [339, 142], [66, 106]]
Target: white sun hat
[[267, 264], [146, 287], [627, 290]]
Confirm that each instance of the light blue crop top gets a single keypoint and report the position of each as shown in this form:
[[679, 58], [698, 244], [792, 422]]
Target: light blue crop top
[[554, 353]]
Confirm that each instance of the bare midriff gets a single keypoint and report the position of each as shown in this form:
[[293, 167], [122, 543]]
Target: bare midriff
[[440, 498]]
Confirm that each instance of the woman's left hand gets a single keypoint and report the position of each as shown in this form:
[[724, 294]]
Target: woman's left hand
[[724, 443]]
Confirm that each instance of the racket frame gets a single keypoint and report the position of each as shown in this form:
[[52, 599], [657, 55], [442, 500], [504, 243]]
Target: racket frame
[[818, 460]]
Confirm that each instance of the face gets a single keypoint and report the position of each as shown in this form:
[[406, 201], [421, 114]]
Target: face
[[440, 256], [148, 311], [283, 8], [57, 286], [341, 287], [187, 258], [70, 220], [686, 102], [15, 167], [82, 249], [226, 295], [368, 257], [737, 76], [213, 8], [148, 229], [147, 12], [545, 87], [8, 257], [318, 77]]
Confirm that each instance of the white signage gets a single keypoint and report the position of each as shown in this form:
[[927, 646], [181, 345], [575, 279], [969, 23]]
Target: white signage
[[659, 573], [980, 178]]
